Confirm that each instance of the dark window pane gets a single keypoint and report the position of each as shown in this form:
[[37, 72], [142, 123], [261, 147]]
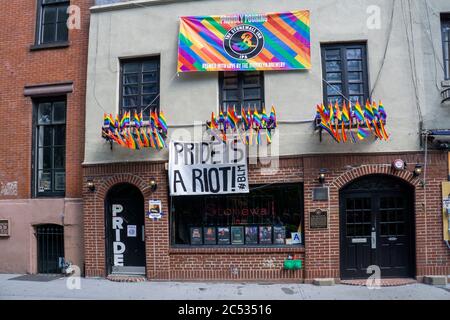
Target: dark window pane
[[44, 181], [150, 99], [60, 135], [150, 89], [59, 157], [333, 66], [149, 77], [45, 158], [45, 113], [132, 67], [251, 81], [149, 66], [354, 54], [355, 76], [252, 94], [355, 89], [49, 15], [62, 14], [333, 54], [130, 90], [59, 111], [62, 32], [354, 65], [45, 136], [334, 76], [231, 95], [335, 89], [131, 78], [48, 33], [130, 102], [60, 180], [230, 83]]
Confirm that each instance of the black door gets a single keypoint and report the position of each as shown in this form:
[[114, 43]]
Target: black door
[[125, 230], [377, 221], [50, 248]]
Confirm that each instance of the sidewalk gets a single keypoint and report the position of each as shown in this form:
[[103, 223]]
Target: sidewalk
[[101, 289]]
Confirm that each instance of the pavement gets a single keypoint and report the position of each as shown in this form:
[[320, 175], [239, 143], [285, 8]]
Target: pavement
[[102, 289]]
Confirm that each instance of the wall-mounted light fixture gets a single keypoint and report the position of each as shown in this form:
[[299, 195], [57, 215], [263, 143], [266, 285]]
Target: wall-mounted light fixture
[[322, 176], [90, 185], [417, 170], [153, 185]]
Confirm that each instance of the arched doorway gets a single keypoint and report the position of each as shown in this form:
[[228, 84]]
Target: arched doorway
[[377, 227], [125, 236], [50, 248]]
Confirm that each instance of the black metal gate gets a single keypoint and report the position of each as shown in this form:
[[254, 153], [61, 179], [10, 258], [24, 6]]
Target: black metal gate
[[50, 241]]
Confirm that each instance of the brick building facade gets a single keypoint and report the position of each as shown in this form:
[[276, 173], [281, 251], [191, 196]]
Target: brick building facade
[[37, 68], [321, 253], [375, 215]]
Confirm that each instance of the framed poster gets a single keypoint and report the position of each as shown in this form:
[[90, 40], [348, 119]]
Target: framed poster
[[196, 235], [223, 235], [265, 235], [237, 235], [209, 235], [251, 235], [279, 235]]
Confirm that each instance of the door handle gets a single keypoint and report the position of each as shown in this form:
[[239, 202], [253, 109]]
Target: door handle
[[374, 240]]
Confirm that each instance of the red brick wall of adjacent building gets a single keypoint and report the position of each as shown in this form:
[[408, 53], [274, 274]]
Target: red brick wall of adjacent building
[[22, 67], [321, 253]]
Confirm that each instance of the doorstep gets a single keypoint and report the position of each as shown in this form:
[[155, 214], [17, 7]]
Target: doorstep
[[125, 278], [383, 282]]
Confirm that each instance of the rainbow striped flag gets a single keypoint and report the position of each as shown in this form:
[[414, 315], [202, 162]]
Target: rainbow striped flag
[[232, 117], [257, 118], [162, 122], [361, 133], [273, 118], [359, 113], [137, 120], [272, 41], [264, 118]]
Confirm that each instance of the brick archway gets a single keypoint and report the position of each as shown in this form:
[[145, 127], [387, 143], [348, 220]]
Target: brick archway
[[365, 170], [135, 180]]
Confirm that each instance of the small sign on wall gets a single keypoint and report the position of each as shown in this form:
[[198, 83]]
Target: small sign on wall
[[155, 210], [318, 219], [4, 228]]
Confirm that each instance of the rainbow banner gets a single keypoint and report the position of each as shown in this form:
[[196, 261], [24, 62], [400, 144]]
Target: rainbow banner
[[242, 42]]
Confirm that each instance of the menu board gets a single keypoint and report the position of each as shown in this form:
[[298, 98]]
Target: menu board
[[237, 235], [196, 235], [209, 235], [265, 234], [223, 235], [279, 235]]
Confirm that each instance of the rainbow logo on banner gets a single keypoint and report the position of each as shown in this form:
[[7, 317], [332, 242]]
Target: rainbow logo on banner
[[243, 42]]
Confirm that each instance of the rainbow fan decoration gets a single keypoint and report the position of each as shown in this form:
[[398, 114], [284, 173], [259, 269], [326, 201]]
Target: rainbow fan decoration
[[352, 123], [132, 132]]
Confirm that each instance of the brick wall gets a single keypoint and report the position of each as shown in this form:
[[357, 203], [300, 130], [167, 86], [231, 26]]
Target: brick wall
[[321, 253], [20, 67]]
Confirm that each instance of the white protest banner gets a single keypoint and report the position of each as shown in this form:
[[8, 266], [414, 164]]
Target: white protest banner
[[200, 168]]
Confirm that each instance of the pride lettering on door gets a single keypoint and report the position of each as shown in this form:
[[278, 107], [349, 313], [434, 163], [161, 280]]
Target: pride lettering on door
[[117, 225]]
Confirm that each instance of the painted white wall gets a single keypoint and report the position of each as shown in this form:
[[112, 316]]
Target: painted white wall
[[185, 98]]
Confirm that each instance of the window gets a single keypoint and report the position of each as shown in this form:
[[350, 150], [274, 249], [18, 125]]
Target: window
[[241, 89], [140, 86], [265, 216], [50, 147], [446, 44], [52, 21], [345, 73]]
